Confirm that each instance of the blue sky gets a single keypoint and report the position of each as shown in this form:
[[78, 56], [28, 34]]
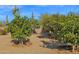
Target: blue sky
[[26, 10]]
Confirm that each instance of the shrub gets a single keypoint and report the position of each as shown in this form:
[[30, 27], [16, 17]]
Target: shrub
[[64, 28], [19, 27], [2, 32]]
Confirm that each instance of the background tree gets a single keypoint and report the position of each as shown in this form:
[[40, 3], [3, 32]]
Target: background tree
[[34, 23], [7, 21], [44, 22], [16, 12], [0, 22]]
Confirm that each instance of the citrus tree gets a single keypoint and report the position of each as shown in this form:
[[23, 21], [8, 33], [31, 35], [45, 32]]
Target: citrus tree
[[70, 30], [19, 27], [64, 28]]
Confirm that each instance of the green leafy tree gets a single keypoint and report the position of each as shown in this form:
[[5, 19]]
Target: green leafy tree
[[20, 27], [64, 28], [44, 22], [70, 30]]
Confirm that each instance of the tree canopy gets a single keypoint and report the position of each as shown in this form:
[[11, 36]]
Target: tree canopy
[[64, 28], [19, 27]]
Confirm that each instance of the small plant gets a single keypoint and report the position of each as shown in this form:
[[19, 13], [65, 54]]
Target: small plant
[[3, 32]]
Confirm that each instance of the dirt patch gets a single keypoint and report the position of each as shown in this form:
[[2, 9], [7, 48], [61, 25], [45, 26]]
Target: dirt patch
[[35, 48]]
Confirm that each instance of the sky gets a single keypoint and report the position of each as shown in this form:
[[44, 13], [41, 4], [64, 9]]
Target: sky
[[26, 10]]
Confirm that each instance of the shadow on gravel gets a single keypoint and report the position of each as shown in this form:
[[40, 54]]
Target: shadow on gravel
[[54, 44], [57, 46]]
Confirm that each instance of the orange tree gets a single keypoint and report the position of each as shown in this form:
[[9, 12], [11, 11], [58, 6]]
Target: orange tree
[[19, 27], [64, 28], [70, 30]]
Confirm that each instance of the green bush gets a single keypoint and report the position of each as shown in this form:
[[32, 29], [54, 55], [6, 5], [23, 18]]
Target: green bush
[[64, 28], [3, 32], [19, 27]]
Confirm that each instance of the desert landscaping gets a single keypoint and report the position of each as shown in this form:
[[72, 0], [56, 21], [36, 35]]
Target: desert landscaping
[[49, 34], [36, 48]]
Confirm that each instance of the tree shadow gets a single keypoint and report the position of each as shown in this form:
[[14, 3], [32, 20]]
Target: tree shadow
[[55, 45], [44, 36]]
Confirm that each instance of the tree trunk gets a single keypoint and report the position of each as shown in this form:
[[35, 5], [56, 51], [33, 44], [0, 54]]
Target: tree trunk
[[76, 48], [73, 48]]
